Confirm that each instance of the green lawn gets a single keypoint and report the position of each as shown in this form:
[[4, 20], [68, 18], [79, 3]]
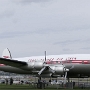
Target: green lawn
[[27, 87]]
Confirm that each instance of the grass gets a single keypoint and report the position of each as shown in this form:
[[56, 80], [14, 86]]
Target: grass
[[15, 87], [27, 87]]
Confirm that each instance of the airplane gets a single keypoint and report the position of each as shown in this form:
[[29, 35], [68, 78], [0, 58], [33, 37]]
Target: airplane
[[67, 65]]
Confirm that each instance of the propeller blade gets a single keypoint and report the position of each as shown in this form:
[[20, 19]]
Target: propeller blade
[[72, 67], [46, 68], [65, 77], [40, 72], [52, 71], [45, 56]]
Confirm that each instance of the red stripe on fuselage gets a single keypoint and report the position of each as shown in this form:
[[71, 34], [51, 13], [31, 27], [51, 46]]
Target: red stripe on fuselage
[[64, 62], [77, 61], [69, 61]]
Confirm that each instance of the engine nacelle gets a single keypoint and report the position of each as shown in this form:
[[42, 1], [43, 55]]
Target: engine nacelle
[[59, 69], [35, 65]]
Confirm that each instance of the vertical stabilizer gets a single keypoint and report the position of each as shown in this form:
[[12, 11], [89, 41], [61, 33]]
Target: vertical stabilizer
[[6, 54]]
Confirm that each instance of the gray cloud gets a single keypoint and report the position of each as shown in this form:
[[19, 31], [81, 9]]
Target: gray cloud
[[29, 1], [11, 34], [67, 42], [29, 27], [66, 50], [6, 14], [86, 48]]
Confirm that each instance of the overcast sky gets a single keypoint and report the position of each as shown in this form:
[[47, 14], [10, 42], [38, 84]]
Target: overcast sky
[[29, 27]]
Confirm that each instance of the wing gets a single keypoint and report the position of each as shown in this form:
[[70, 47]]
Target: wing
[[11, 62]]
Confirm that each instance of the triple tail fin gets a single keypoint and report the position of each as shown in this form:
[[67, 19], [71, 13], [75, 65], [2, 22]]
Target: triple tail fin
[[6, 54]]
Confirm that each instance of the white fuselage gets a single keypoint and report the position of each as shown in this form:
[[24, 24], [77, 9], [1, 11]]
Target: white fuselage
[[55, 57], [78, 61]]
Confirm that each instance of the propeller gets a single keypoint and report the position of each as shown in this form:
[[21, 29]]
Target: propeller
[[65, 77], [46, 67]]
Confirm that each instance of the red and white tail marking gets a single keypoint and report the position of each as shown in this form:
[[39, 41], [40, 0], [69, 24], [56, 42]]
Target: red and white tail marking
[[6, 57], [6, 54]]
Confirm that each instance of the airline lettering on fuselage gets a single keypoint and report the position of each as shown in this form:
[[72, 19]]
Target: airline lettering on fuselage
[[52, 59], [71, 58]]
